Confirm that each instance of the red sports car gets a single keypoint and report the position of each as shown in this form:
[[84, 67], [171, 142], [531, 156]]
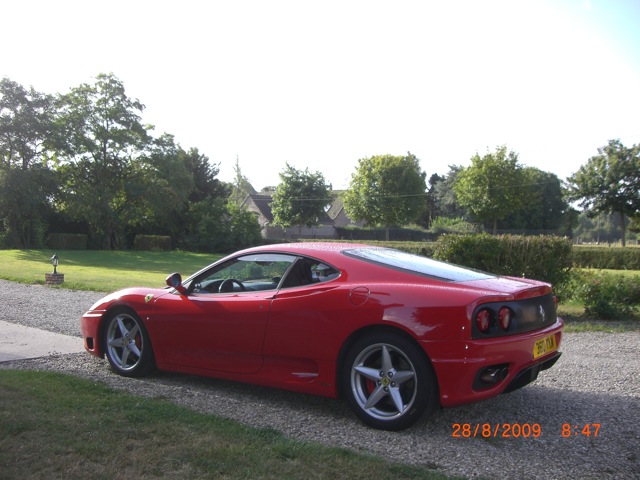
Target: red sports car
[[397, 335]]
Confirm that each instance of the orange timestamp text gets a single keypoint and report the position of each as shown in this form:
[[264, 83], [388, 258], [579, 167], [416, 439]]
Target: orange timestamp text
[[497, 430], [520, 430]]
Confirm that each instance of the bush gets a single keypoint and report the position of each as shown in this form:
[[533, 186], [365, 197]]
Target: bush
[[606, 296], [67, 241], [613, 258], [152, 242], [538, 257]]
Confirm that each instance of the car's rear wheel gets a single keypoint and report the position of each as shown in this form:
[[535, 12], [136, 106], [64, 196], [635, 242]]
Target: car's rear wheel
[[127, 344], [389, 382]]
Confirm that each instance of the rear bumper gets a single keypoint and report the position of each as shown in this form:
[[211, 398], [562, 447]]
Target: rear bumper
[[530, 374], [460, 365]]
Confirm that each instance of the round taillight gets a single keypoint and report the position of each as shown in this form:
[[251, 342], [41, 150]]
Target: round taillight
[[504, 318], [483, 320]]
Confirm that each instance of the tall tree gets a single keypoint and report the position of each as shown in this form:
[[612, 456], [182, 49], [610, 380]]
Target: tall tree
[[300, 198], [26, 121], [545, 207], [491, 187], [204, 173], [241, 185], [609, 182], [387, 190], [27, 184], [100, 134], [444, 196], [160, 186]]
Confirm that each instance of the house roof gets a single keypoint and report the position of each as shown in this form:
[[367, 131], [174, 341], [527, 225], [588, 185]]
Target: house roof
[[262, 204], [337, 205]]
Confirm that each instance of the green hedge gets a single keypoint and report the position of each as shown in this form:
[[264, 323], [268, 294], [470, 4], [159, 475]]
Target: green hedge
[[67, 241], [542, 258], [601, 257], [152, 242]]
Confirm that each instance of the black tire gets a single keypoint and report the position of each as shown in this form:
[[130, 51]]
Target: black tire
[[388, 381], [127, 344]]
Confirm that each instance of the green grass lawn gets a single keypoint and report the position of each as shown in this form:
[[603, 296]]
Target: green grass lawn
[[101, 271], [54, 425]]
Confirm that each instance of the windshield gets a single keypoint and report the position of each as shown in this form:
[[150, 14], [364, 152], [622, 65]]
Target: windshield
[[408, 262]]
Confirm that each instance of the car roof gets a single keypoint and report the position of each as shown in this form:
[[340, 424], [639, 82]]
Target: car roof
[[322, 249]]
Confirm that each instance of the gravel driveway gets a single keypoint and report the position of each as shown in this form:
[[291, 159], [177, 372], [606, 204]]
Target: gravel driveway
[[596, 381]]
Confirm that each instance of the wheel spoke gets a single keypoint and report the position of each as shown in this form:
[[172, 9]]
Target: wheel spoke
[[132, 347], [378, 394], [122, 327], [387, 364], [370, 373], [403, 376], [394, 393], [134, 331], [124, 357]]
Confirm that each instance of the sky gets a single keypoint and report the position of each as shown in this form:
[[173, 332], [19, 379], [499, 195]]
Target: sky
[[321, 84]]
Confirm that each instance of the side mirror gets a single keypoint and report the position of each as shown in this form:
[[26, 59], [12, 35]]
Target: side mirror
[[175, 281]]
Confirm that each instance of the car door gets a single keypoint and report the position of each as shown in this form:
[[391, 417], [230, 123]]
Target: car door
[[220, 323], [303, 314]]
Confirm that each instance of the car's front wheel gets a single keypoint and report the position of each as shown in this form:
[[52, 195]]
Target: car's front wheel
[[389, 382], [127, 344]]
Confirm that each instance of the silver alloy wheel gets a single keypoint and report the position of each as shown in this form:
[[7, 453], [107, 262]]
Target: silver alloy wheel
[[384, 381], [125, 342]]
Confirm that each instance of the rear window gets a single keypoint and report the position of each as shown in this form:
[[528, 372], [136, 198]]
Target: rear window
[[416, 264]]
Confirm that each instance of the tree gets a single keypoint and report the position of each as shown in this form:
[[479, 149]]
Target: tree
[[545, 207], [25, 197], [159, 188], [445, 202], [300, 199], [241, 185], [203, 173], [609, 182], [215, 225], [491, 188], [99, 135], [26, 121], [27, 184], [387, 190]]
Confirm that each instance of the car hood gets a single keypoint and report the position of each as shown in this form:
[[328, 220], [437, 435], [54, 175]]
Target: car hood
[[131, 295]]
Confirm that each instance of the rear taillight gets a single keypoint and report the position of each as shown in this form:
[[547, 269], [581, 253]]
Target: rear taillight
[[483, 320], [504, 318]]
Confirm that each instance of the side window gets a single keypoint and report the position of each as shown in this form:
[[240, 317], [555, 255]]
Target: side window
[[307, 271], [247, 273], [323, 273]]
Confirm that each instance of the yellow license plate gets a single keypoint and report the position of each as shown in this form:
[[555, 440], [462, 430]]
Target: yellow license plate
[[544, 345]]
